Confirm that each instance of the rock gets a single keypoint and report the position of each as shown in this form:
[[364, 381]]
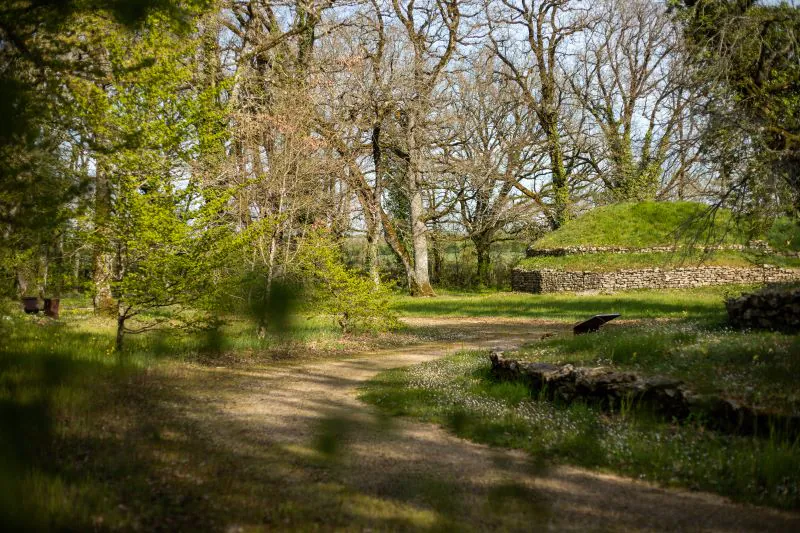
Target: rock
[[774, 308], [665, 397], [549, 280]]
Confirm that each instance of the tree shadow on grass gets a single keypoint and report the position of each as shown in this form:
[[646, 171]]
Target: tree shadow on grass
[[214, 450]]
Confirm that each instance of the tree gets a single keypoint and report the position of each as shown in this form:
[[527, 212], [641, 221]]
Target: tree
[[138, 122], [493, 147], [46, 45], [630, 80], [432, 29], [745, 58], [530, 38]]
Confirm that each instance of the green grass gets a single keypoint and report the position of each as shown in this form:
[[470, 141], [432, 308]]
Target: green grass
[[644, 224], [458, 393], [704, 303], [689, 343], [606, 262]]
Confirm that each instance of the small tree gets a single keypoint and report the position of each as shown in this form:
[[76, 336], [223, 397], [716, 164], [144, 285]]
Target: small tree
[[155, 239], [166, 257], [351, 298]]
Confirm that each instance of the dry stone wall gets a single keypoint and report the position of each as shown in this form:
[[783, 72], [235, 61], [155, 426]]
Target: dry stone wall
[[546, 280]]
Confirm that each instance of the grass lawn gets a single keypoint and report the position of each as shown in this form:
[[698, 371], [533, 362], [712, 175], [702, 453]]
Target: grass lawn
[[703, 304], [757, 367], [690, 343], [459, 393]]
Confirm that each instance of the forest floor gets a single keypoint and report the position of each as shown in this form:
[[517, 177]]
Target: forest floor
[[243, 449]]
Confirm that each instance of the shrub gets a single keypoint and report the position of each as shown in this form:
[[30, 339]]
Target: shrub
[[352, 299]]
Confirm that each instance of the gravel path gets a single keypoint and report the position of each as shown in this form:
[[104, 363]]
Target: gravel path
[[323, 444]]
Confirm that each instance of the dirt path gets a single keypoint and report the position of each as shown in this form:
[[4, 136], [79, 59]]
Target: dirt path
[[302, 447]]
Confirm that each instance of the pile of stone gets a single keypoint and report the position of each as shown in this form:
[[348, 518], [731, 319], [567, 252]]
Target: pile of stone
[[615, 391], [773, 308]]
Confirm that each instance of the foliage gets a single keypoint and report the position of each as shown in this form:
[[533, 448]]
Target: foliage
[[352, 299], [150, 214], [745, 56], [48, 47], [785, 234]]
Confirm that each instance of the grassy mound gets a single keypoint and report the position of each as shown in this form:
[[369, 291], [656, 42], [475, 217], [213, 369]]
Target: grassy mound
[[645, 224], [609, 262], [650, 224]]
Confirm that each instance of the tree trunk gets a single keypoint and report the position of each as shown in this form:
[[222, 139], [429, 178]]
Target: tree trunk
[[372, 254], [437, 262], [59, 275], [561, 207], [44, 261], [419, 239], [419, 230], [371, 208], [103, 260], [484, 260], [120, 332], [21, 282]]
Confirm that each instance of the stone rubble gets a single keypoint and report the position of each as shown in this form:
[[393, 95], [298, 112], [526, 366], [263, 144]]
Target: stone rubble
[[774, 308], [614, 390]]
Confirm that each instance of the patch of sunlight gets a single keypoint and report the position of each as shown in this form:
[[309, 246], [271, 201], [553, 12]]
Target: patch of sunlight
[[372, 508]]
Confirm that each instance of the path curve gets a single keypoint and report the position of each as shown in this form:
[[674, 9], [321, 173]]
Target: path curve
[[307, 422]]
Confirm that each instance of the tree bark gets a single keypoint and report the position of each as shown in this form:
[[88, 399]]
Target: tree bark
[[118, 343], [419, 230], [484, 260], [371, 215], [103, 260]]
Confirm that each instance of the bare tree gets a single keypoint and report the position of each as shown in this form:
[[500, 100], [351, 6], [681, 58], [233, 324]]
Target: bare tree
[[629, 79], [530, 38], [367, 80], [495, 145], [432, 29]]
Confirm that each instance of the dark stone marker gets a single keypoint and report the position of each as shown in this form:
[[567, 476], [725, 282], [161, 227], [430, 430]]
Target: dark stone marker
[[594, 323]]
